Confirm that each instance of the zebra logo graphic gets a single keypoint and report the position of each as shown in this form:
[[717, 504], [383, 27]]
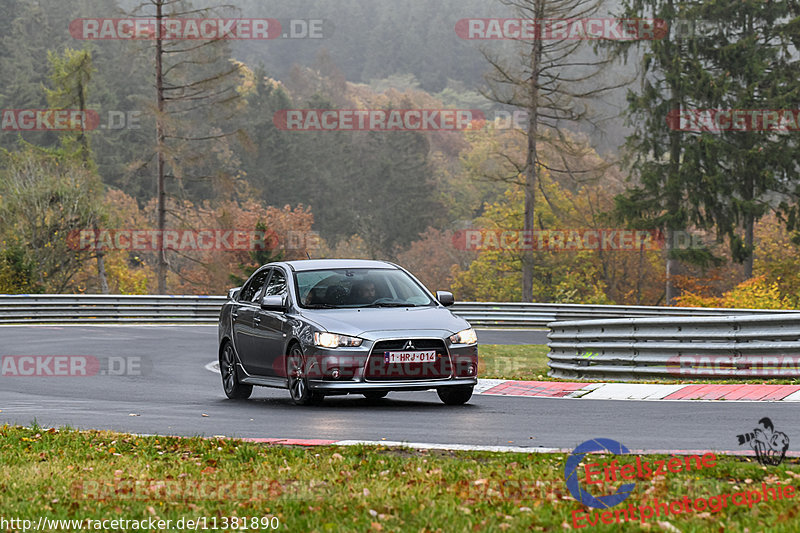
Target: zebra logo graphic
[[770, 445]]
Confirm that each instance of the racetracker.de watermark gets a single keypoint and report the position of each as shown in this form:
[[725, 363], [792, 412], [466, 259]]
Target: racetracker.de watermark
[[376, 119], [552, 29], [73, 366], [734, 120], [604, 28], [207, 29], [183, 490], [728, 365], [223, 240], [19, 120], [572, 240], [388, 366]]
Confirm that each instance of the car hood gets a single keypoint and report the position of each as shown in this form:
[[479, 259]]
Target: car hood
[[360, 322]]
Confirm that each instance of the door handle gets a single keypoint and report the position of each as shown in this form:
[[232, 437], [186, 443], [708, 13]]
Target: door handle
[[257, 320]]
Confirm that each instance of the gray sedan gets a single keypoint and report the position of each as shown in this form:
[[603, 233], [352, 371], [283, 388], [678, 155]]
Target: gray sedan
[[335, 326]]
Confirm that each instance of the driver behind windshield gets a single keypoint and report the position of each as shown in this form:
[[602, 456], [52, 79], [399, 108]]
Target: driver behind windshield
[[363, 292]]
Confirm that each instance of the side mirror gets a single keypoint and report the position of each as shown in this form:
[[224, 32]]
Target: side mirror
[[233, 294], [445, 298], [273, 303]]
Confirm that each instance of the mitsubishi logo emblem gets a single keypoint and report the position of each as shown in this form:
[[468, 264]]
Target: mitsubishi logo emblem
[[409, 346]]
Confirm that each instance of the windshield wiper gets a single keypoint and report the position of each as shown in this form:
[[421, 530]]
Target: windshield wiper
[[321, 306]]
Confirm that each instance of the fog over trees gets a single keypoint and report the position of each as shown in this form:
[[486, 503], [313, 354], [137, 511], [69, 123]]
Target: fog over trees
[[610, 161]]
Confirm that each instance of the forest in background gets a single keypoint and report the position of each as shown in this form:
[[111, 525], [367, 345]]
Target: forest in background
[[396, 196]]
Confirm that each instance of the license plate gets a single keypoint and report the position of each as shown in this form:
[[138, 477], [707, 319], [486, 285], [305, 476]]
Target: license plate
[[409, 357]]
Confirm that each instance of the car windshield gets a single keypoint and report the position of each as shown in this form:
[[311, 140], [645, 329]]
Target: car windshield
[[359, 287]]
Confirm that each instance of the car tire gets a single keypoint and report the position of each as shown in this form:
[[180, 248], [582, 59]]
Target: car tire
[[230, 378], [454, 395], [297, 379], [375, 395]]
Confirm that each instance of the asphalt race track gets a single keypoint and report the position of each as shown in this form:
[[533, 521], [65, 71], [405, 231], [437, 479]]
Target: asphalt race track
[[169, 390]]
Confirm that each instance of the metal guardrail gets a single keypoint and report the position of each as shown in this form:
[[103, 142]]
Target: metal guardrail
[[101, 309], [541, 314], [765, 346], [37, 309]]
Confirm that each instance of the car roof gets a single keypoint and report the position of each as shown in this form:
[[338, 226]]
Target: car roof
[[323, 264]]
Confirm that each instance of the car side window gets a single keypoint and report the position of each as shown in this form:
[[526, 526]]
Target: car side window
[[277, 283], [253, 287]]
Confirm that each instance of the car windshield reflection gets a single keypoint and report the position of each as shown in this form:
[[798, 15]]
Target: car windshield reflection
[[359, 288]]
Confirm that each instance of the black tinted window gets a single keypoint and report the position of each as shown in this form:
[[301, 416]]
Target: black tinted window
[[277, 284], [359, 287], [253, 287]]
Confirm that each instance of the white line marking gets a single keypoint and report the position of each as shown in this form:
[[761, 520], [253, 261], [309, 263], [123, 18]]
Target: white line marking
[[486, 384], [632, 391], [793, 397]]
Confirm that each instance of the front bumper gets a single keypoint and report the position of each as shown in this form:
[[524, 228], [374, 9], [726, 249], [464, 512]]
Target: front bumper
[[346, 370]]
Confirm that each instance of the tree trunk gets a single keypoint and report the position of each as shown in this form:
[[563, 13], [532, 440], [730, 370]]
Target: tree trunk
[[531, 168], [749, 225], [162, 208], [83, 140], [101, 272], [640, 274], [671, 267], [673, 182]]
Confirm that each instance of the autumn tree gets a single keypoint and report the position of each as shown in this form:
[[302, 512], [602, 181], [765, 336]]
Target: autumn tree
[[288, 235], [258, 258], [70, 75], [580, 201], [435, 259], [554, 81], [196, 96], [559, 276], [46, 196]]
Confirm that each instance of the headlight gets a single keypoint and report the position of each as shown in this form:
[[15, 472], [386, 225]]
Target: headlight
[[332, 340], [468, 336]]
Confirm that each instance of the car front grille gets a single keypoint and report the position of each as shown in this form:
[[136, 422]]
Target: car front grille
[[378, 369]]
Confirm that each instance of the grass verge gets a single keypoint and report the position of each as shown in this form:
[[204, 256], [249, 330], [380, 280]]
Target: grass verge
[[66, 474], [527, 362]]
